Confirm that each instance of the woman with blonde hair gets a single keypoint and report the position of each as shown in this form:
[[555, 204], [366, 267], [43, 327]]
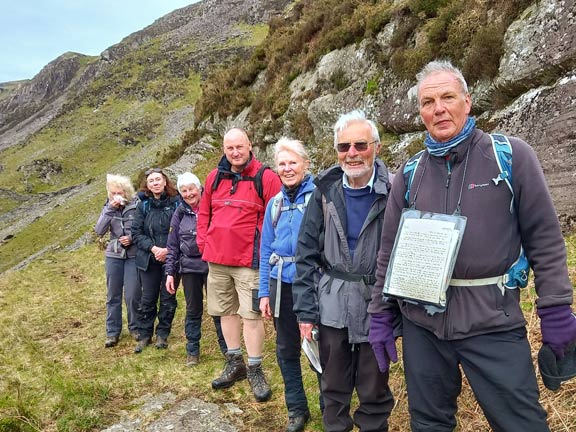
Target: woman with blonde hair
[[120, 263]]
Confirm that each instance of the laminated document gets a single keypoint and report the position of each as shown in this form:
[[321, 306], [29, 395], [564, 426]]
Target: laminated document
[[423, 256]]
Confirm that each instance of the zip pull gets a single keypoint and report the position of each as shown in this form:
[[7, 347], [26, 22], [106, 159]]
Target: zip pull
[[449, 168]]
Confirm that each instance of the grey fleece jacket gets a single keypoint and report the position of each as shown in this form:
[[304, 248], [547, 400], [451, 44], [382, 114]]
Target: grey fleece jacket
[[491, 241]]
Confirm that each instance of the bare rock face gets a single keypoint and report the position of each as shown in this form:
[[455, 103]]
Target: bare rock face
[[546, 118], [539, 46], [537, 72], [43, 89]]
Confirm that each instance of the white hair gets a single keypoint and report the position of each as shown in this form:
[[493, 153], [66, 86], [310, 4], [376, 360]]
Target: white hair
[[436, 66], [351, 117], [187, 179]]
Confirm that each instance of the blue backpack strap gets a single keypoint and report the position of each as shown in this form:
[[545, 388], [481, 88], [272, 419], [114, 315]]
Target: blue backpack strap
[[409, 170], [517, 274], [503, 153]]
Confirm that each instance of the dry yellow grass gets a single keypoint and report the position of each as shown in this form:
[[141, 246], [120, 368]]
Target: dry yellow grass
[[56, 375]]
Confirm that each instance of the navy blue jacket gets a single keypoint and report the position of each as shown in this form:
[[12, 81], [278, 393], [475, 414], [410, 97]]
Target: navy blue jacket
[[183, 253]]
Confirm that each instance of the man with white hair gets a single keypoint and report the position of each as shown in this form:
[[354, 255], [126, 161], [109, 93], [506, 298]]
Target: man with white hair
[[335, 264], [511, 225]]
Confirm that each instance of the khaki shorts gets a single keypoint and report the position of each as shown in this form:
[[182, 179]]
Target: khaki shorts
[[229, 291]]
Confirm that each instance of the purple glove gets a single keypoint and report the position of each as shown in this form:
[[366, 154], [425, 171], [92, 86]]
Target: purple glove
[[381, 338], [558, 325]]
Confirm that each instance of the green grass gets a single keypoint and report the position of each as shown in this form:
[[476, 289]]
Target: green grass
[[58, 376]]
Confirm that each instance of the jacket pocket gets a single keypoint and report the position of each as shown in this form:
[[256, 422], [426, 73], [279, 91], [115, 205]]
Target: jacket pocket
[[332, 302]]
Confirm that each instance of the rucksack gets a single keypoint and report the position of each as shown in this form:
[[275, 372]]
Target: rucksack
[[278, 207], [518, 272], [257, 179]]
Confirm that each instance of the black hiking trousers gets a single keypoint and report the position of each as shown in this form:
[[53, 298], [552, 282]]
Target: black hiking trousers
[[498, 367], [155, 302]]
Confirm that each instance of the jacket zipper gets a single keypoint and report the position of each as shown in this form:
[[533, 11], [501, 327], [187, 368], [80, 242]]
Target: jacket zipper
[[449, 176]]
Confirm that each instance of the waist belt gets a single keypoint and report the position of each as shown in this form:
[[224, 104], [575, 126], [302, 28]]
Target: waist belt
[[354, 277], [279, 261], [498, 280]]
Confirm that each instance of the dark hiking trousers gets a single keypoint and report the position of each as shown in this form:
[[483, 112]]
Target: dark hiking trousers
[[121, 278], [347, 367], [288, 350], [155, 301], [498, 367], [194, 284]]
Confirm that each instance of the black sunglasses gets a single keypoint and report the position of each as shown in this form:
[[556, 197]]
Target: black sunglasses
[[359, 146], [153, 170]]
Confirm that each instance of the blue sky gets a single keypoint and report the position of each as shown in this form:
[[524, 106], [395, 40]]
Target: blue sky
[[35, 32]]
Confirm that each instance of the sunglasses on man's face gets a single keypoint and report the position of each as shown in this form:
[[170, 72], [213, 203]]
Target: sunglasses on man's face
[[359, 146], [153, 170]]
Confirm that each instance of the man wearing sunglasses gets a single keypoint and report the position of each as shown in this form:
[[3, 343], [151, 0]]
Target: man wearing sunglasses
[[335, 265]]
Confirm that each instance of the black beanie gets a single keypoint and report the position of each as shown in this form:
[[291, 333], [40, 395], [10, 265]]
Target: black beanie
[[554, 371]]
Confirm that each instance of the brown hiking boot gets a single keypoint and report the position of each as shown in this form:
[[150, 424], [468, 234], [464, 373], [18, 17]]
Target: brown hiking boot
[[257, 381], [235, 370], [192, 360]]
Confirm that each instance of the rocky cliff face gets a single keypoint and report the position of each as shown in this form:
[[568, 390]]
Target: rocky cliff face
[[537, 77], [533, 96], [207, 30]]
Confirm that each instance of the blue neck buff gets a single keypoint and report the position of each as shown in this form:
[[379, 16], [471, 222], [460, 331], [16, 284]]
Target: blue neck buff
[[436, 148]]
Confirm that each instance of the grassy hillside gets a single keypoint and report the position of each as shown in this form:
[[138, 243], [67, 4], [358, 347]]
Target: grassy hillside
[[58, 376]]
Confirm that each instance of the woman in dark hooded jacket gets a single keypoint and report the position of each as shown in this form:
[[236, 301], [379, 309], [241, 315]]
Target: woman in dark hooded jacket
[[184, 260], [158, 201]]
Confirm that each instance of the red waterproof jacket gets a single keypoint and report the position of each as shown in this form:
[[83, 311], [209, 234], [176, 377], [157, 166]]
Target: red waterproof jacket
[[230, 218]]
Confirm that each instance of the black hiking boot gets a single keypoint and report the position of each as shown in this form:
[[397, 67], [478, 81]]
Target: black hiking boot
[[161, 343], [111, 341], [297, 423], [142, 343], [257, 380], [235, 370]]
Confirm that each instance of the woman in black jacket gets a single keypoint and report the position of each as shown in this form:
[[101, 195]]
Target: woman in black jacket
[[158, 201]]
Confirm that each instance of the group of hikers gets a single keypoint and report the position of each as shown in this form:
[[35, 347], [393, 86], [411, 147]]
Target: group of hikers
[[316, 254]]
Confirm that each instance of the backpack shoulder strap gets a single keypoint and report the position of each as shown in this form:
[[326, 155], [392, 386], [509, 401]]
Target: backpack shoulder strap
[[409, 170], [279, 207], [503, 154], [258, 184]]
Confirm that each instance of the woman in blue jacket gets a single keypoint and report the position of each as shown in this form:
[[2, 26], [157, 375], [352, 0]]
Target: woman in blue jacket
[[185, 260], [121, 274], [277, 270], [158, 201]]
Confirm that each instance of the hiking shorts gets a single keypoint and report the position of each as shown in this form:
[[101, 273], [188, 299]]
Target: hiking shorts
[[229, 291]]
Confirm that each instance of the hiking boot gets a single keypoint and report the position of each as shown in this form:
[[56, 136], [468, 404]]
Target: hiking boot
[[235, 370], [257, 380], [192, 360], [135, 335], [111, 341], [161, 343], [143, 343], [297, 423]]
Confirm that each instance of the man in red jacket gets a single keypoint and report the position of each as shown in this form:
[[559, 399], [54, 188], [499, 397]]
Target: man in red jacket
[[229, 226]]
